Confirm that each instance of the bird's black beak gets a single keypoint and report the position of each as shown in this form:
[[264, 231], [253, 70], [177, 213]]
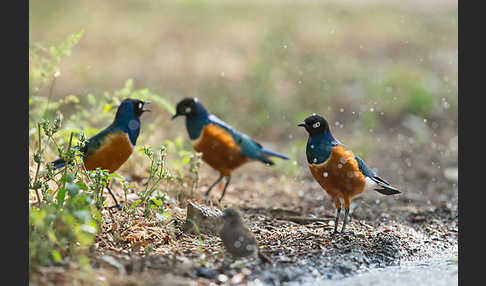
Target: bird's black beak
[[302, 124], [175, 115], [145, 103]]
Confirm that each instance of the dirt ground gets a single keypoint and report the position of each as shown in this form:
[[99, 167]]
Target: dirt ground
[[418, 224]]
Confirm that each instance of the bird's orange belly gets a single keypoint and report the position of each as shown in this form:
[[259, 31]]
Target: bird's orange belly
[[114, 151], [219, 150], [339, 175]]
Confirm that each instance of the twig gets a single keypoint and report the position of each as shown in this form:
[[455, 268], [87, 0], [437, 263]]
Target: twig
[[67, 161], [304, 220], [51, 89], [38, 167]]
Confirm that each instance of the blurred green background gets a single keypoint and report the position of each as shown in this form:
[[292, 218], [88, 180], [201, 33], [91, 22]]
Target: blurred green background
[[384, 73]]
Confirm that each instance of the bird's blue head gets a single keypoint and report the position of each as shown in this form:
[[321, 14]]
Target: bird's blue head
[[191, 108], [196, 115], [315, 125], [320, 139], [128, 117]]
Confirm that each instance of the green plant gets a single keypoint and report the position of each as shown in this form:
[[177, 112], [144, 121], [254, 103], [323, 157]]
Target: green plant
[[64, 221], [158, 172], [44, 62], [94, 111], [58, 231], [65, 217], [99, 180], [194, 165]]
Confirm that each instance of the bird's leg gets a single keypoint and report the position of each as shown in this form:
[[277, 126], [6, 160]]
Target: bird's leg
[[214, 184], [117, 205], [228, 179], [346, 214], [338, 213], [337, 204]]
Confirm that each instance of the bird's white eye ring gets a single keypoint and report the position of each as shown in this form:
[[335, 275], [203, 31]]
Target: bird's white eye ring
[[188, 109], [317, 124], [140, 105]]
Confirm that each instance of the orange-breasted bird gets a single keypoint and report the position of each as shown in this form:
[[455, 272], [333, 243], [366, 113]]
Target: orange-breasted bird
[[342, 174], [222, 147], [112, 147]]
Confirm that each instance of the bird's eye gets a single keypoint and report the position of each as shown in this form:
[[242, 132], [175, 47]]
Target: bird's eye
[[317, 124], [140, 105], [188, 109]]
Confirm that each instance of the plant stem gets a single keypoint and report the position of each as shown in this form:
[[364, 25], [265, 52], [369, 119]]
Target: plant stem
[[67, 161], [38, 167], [51, 89]]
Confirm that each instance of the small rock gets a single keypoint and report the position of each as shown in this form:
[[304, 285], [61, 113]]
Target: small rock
[[417, 218], [360, 235], [208, 220], [222, 278], [203, 272], [346, 267], [109, 260], [451, 174], [237, 279]]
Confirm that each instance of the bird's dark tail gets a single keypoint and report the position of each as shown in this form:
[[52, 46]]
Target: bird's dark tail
[[59, 163], [386, 188], [266, 161]]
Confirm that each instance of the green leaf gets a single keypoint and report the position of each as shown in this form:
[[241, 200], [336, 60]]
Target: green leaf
[[73, 189], [107, 107], [61, 194], [82, 215], [115, 175], [56, 255], [82, 186], [52, 236], [53, 51], [135, 204], [88, 228], [164, 216], [157, 202], [186, 159], [69, 178]]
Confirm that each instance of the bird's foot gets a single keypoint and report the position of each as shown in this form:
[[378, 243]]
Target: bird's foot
[[220, 204], [119, 207], [208, 201], [347, 232]]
